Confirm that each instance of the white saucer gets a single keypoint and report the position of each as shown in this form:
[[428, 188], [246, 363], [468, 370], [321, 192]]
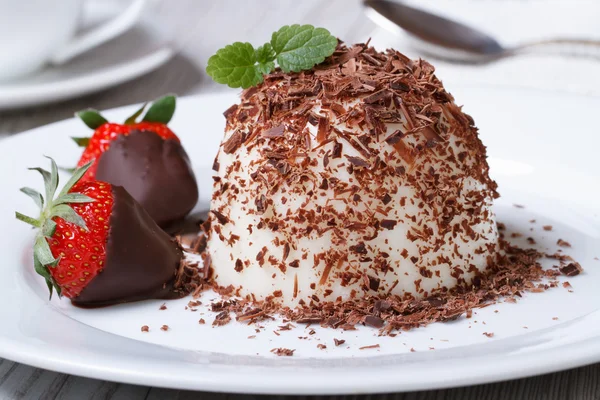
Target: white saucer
[[542, 154], [141, 50]]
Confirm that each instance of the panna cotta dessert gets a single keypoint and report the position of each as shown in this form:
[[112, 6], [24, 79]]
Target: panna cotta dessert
[[359, 177]]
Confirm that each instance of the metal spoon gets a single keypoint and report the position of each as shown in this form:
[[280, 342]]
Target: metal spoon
[[450, 40]]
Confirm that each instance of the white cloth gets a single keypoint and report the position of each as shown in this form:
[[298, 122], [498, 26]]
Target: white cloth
[[512, 22]]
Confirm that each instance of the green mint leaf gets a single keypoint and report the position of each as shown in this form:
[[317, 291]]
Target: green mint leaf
[[301, 47], [295, 48], [235, 65], [265, 68], [265, 53], [91, 118], [161, 110]]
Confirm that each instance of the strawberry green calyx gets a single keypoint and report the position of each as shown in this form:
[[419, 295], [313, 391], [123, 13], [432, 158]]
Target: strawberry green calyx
[[52, 206], [160, 111]]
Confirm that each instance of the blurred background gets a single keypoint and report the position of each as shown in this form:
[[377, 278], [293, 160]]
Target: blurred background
[[166, 47]]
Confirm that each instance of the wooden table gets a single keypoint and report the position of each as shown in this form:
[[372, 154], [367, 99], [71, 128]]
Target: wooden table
[[247, 21]]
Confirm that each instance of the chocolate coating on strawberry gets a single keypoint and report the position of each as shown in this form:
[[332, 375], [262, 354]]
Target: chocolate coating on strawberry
[[141, 260], [155, 171]]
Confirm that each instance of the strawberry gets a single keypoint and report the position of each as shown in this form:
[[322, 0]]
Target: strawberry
[[155, 120], [96, 246], [145, 157]]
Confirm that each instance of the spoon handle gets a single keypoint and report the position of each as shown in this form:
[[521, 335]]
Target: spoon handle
[[587, 48]]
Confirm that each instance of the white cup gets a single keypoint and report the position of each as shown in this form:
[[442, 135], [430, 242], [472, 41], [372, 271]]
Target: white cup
[[34, 33]]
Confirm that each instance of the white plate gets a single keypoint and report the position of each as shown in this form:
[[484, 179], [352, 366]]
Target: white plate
[[542, 149], [140, 50]]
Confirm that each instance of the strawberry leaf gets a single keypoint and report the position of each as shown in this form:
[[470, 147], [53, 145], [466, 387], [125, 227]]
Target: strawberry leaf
[[68, 214], [81, 141], [77, 174], [47, 181], [41, 251], [91, 118], [43, 271], [49, 228], [135, 115], [28, 220], [53, 178], [35, 195], [161, 110], [73, 198]]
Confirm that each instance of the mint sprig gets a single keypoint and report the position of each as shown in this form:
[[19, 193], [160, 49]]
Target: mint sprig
[[294, 47]]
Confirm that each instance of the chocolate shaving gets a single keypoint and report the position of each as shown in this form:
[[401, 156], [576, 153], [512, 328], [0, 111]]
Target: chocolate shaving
[[571, 269], [357, 161], [233, 142], [220, 217], [274, 132], [388, 223]]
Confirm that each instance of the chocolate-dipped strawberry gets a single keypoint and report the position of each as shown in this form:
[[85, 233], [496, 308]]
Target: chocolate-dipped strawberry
[[97, 246], [146, 158]]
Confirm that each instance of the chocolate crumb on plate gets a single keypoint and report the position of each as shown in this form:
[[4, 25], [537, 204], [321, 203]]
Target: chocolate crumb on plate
[[489, 334], [201, 321], [547, 227], [563, 243], [145, 328], [164, 328], [163, 306], [281, 351], [339, 342], [571, 269], [373, 346], [321, 346]]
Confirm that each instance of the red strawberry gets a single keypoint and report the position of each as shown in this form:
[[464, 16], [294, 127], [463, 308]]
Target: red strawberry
[[152, 166], [97, 246], [155, 120]]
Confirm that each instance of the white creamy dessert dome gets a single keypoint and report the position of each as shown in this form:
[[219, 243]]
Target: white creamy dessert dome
[[359, 177]]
